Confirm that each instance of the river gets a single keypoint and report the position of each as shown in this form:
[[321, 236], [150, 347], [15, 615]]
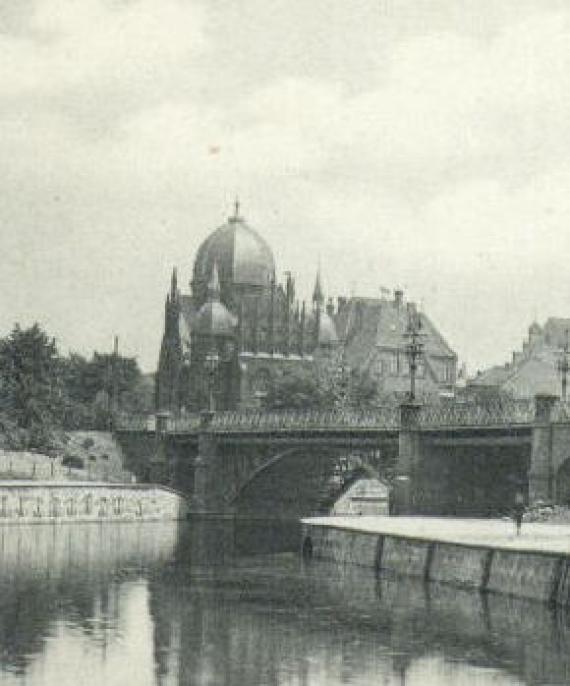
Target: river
[[214, 603]]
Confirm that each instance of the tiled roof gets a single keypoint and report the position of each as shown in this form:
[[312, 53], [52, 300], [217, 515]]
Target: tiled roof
[[366, 324]]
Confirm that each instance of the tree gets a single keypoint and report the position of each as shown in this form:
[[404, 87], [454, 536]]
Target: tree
[[98, 387], [43, 392], [296, 389], [30, 374], [363, 390]]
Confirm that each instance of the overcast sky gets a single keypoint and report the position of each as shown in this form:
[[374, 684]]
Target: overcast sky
[[422, 144]]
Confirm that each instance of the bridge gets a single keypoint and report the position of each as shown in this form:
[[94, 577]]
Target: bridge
[[444, 458]]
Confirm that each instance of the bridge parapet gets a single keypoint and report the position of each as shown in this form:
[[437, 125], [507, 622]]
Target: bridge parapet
[[253, 421], [499, 412], [381, 418]]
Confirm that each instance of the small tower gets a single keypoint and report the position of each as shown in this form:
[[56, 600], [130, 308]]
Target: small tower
[[214, 335], [167, 382]]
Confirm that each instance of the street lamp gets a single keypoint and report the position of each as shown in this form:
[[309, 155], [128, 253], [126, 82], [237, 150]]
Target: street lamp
[[414, 347], [212, 362], [563, 366], [343, 382]]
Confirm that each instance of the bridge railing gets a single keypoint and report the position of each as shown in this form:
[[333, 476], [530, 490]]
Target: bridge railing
[[291, 420], [499, 412], [253, 420]]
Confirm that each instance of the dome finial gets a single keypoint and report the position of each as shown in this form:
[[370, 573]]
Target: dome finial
[[236, 217]]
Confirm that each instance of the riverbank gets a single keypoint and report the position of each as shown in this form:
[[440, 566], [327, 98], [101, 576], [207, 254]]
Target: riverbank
[[481, 554]]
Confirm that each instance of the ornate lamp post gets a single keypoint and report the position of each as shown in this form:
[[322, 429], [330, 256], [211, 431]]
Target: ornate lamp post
[[414, 348], [342, 383], [564, 366], [212, 363]]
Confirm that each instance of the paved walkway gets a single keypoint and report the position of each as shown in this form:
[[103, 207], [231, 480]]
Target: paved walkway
[[490, 533]]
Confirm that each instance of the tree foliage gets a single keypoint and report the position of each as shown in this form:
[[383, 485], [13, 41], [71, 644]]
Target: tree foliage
[[42, 391], [295, 390], [30, 369]]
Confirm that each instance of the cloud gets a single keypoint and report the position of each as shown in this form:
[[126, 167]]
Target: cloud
[[444, 168], [84, 45]]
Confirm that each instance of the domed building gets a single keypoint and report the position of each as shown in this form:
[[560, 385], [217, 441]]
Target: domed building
[[238, 330]]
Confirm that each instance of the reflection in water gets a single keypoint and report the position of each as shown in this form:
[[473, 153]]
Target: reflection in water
[[150, 604]]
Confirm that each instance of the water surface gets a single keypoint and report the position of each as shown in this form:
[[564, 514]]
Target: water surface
[[213, 603]]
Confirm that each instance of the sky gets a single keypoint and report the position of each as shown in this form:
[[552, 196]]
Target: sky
[[415, 144]]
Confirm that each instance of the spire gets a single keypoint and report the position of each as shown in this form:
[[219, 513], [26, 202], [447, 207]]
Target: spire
[[174, 284], [302, 331], [214, 285], [290, 288], [318, 296]]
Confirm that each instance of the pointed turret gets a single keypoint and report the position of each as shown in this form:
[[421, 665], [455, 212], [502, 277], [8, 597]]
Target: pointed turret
[[318, 297], [174, 285]]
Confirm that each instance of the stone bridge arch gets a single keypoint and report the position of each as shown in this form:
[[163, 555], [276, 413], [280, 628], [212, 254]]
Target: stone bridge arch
[[296, 481]]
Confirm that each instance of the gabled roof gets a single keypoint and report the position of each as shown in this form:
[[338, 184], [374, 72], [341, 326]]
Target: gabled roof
[[366, 324]]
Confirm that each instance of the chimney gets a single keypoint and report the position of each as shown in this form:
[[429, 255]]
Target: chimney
[[398, 297]]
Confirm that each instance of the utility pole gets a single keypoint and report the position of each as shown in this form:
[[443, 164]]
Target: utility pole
[[116, 374], [414, 347], [564, 366]]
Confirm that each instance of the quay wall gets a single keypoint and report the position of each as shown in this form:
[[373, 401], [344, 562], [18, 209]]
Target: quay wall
[[26, 502], [524, 574]]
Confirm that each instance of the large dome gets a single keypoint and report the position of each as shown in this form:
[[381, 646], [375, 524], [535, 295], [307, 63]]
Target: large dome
[[243, 257]]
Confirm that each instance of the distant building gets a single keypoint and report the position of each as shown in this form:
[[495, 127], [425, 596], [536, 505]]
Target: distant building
[[374, 336], [257, 330], [532, 369]]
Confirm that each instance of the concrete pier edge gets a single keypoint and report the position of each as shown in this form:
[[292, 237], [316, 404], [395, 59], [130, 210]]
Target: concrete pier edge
[[542, 575]]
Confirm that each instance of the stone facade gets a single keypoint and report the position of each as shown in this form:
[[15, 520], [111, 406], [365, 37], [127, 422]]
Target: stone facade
[[239, 329]]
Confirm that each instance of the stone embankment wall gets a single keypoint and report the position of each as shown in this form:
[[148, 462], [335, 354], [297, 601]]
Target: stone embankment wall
[[540, 576], [37, 502]]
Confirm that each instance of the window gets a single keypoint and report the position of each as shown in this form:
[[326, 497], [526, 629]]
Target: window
[[447, 372]]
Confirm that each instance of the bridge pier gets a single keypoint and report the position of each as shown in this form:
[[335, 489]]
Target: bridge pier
[[159, 468], [541, 473], [409, 457], [207, 494]]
